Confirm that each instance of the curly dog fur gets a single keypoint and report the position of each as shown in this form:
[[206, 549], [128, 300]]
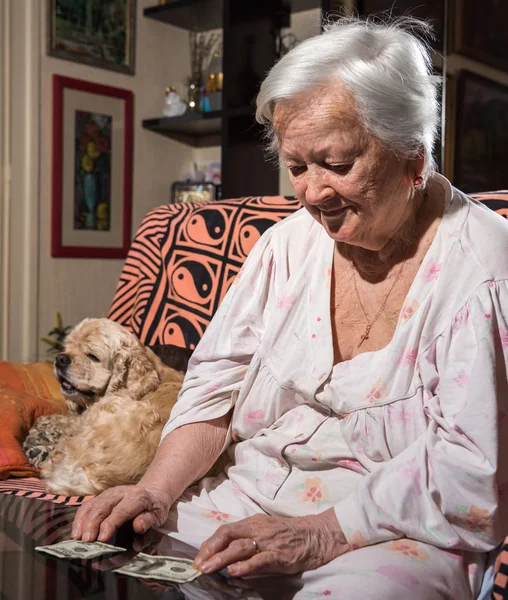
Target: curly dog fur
[[119, 396]]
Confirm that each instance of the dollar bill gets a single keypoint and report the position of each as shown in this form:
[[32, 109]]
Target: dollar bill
[[161, 568], [78, 549]]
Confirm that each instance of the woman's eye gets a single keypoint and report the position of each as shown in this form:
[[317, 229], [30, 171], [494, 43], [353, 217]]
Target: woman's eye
[[339, 168], [295, 171], [93, 357]]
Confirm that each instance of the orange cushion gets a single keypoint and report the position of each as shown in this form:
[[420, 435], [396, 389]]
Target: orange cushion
[[27, 392], [35, 378]]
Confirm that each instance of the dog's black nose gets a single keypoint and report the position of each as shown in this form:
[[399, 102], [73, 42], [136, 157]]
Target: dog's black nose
[[62, 360]]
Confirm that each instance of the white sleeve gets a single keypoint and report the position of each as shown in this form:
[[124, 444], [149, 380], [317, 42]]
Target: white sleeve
[[219, 363]]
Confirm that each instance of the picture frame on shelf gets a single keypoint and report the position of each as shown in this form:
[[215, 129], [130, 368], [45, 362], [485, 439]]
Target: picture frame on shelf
[[100, 33], [477, 133], [478, 31], [189, 191], [92, 169]]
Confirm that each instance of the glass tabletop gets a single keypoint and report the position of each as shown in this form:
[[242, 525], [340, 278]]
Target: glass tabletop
[[29, 575]]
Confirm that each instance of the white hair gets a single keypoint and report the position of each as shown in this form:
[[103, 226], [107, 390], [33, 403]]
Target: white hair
[[386, 66]]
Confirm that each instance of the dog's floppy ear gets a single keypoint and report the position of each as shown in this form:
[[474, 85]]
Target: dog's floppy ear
[[133, 371]]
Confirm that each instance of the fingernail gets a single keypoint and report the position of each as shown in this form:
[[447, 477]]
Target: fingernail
[[233, 570], [208, 567], [86, 537], [74, 534], [141, 527]]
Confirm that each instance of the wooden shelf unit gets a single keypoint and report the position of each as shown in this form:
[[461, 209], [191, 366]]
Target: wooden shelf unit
[[204, 15], [192, 128], [249, 52]]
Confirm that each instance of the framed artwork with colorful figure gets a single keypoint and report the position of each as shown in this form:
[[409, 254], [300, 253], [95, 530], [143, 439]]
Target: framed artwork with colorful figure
[[101, 33], [92, 169]]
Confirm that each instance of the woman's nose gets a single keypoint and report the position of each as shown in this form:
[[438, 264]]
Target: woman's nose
[[318, 189]]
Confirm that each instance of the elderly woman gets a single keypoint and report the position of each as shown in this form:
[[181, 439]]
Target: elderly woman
[[356, 372]]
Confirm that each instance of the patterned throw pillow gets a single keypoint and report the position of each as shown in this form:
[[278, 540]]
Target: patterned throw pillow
[[183, 260]]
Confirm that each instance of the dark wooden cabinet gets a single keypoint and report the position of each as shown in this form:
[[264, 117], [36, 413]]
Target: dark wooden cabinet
[[249, 42]]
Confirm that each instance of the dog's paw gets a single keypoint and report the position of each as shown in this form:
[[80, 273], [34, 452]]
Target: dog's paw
[[36, 455]]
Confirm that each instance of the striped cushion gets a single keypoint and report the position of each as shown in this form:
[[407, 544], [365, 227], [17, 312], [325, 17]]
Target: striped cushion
[[500, 591], [32, 487], [183, 260]]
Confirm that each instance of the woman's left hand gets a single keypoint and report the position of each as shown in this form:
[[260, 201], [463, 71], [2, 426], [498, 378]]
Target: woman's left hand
[[265, 544]]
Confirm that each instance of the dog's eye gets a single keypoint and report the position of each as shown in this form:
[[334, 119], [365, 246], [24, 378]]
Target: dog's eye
[[93, 357]]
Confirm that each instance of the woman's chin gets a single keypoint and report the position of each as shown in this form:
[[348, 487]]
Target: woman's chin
[[342, 234]]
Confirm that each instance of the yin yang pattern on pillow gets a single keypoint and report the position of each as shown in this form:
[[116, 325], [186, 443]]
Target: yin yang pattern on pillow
[[183, 260]]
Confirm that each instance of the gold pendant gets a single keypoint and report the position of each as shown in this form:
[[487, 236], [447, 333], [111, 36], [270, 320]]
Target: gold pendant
[[365, 336]]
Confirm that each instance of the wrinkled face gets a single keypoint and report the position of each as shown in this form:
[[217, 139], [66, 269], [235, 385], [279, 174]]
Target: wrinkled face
[[85, 366], [358, 189]]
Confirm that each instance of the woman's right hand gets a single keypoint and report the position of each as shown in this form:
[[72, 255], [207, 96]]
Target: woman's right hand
[[99, 518]]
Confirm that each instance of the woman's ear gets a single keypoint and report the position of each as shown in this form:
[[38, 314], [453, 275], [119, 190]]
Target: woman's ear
[[416, 165], [133, 371]]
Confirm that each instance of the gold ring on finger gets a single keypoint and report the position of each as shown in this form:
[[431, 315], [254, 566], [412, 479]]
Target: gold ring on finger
[[256, 546]]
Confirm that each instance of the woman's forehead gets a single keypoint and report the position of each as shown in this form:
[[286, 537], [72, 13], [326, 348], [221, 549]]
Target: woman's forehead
[[317, 125], [324, 105]]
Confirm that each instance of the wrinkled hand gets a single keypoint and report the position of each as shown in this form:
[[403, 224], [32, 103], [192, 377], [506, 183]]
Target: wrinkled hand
[[283, 545], [100, 517]]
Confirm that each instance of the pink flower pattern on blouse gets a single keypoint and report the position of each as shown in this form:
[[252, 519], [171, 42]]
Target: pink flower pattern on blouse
[[408, 358], [462, 379], [432, 271], [409, 309], [503, 334]]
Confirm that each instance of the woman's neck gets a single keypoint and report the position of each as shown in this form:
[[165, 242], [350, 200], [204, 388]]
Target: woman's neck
[[402, 244]]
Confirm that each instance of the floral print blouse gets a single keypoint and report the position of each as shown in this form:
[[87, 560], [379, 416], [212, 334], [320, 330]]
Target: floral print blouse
[[407, 441]]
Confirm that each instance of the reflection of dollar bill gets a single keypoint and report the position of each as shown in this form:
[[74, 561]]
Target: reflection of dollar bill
[[77, 549], [162, 568]]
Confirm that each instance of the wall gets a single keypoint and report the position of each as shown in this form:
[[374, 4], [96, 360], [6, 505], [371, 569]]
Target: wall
[[4, 141], [20, 178], [79, 288]]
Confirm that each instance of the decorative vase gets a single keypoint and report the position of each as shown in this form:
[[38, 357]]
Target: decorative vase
[[90, 194]]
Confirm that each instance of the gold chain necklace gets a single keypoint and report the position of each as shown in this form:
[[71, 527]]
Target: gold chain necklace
[[370, 324]]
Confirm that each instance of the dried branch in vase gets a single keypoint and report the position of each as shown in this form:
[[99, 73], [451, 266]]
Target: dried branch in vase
[[202, 47]]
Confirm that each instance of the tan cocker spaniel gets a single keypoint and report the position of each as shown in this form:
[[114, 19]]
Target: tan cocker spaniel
[[119, 396]]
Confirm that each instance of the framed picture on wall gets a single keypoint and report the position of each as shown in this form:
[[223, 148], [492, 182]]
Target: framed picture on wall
[[188, 191], [432, 10], [101, 33], [477, 133], [478, 30], [92, 169]]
